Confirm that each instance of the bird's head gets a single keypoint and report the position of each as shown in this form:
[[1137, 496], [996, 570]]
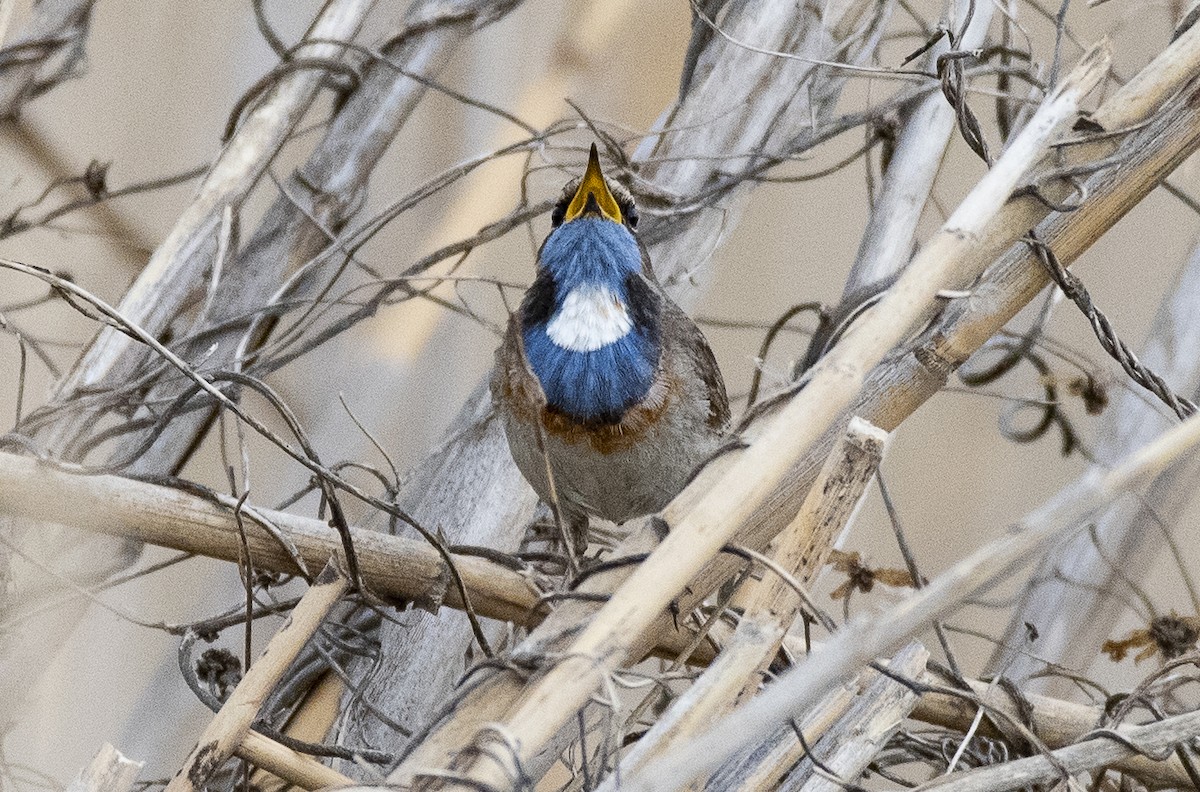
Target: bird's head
[[590, 195], [590, 319]]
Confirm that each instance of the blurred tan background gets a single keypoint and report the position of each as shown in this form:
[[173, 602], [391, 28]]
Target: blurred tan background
[[161, 79]]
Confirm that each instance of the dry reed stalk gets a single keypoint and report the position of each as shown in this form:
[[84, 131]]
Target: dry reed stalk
[[311, 721], [294, 768], [1103, 749], [766, 765], [295, 230], [299, 240], [803, 547], [393, 566], [871, 712], [229, 727], [1056, 723], [950, 260], [706, 698], [863, 732], [109, 770], [167, 283], [887, 241]]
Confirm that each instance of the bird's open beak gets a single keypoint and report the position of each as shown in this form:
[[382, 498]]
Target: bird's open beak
[[593, 194]]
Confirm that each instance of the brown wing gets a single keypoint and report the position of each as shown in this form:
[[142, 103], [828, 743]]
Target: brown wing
[[513, 384], [693, 343], [678, 326]]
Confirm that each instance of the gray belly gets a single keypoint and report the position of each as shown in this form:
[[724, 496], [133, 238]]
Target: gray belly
[[624, 483]]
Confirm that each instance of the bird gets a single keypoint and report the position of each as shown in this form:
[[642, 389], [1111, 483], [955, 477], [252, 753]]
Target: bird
[[610, 395]]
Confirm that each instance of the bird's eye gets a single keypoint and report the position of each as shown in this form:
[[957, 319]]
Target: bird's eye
[[631, 215], [557, 215]]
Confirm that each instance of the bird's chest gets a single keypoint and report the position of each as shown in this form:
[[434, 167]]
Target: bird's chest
[[593, 360]]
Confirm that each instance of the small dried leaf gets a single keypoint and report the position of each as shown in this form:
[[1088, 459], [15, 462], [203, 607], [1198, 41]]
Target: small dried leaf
[[863, 578], [1169, 636]]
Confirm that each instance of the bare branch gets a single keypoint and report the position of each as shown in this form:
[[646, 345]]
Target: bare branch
[[47, 52]]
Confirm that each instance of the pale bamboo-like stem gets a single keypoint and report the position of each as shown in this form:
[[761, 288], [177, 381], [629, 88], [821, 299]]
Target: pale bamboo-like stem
[[858, 737], [887, 241], [1056, 723], [163, 287], [678, 160], [872, 710], [771, 605], [229, 727], [1094, 754], [767, 764], [295, 768], [392, 566], [952, 259], [871, 636], [707, 698], [311, 721], [109, 770], [803, 547]]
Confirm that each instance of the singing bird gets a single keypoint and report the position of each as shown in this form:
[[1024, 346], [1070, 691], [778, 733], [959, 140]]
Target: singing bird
[[602, 382]]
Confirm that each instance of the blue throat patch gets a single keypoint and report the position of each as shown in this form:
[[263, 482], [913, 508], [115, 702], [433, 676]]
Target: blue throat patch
[[599, 385]]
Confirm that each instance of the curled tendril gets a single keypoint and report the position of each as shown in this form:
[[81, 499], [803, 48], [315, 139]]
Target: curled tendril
[[1049, 409]]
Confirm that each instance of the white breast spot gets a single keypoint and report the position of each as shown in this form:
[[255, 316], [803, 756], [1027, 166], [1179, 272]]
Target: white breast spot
[[590, 317]]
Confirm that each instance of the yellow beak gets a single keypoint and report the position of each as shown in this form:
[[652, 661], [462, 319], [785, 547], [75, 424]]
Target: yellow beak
[[595, 188]]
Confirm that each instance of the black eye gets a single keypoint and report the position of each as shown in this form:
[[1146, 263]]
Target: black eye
[[631, 216], [557, 215]]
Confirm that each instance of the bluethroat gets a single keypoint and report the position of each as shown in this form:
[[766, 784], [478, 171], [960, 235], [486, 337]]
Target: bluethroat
[[606, 388]]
